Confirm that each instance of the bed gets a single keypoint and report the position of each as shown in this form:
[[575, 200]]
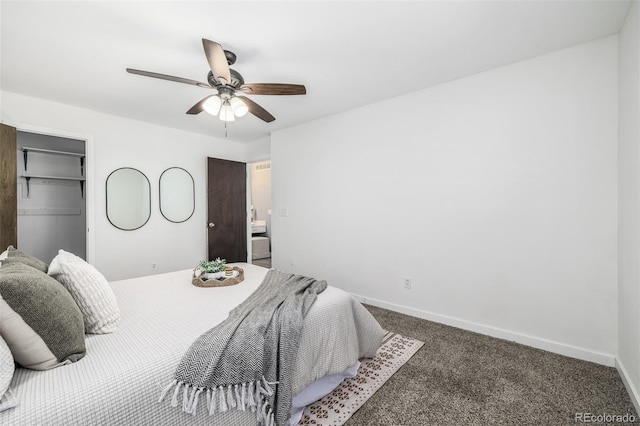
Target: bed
[[119, 380]]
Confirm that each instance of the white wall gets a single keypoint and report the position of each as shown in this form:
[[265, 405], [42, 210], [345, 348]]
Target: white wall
[[119, 142], [629, 208], [496, 194], [259, 150]]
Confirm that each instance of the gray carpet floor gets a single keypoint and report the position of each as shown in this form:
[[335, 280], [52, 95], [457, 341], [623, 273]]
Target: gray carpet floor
[[464, 378]]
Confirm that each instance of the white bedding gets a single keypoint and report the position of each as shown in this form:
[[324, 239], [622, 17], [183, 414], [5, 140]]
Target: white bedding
[[120, 379]]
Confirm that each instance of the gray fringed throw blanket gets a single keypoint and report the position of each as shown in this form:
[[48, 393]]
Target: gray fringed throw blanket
[[236, 363]]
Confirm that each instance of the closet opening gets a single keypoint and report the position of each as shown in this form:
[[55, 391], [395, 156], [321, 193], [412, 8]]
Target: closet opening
[[51, 195]]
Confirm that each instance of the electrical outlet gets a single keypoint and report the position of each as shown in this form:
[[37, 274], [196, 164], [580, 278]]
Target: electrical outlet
[[153, 266], [407, 283]]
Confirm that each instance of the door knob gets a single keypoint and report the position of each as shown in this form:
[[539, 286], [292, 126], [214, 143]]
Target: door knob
[[211, 224]]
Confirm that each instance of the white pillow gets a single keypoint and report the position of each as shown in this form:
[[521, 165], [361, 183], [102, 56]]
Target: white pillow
[[91, 291], [7, 367]]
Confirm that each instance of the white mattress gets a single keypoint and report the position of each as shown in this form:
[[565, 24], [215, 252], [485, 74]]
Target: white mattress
[[120, 379]]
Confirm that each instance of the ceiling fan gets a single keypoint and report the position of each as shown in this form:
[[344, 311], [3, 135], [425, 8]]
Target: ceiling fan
[[230, 101]]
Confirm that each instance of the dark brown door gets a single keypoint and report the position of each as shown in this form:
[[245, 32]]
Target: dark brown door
[[227, 206], [8, 188]]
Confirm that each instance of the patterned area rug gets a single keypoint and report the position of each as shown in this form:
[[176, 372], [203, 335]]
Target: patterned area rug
[[337, 407]]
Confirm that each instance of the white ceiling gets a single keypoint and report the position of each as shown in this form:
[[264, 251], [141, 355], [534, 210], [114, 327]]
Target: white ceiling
[[347, 54]]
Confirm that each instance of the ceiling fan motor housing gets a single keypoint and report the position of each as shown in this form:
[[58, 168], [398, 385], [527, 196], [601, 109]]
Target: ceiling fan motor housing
[[236, 79], [231, 57]]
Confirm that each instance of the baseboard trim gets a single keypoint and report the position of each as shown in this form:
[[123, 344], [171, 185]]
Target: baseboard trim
[[628, 384], [535, 342]]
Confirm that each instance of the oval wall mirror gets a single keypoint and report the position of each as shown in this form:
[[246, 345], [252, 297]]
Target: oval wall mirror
[[128, 198], [177, 194]]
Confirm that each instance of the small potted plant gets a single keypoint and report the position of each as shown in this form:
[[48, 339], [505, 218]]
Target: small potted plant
[[212, 269]]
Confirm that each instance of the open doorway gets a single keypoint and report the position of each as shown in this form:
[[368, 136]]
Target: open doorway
[[261, 214]]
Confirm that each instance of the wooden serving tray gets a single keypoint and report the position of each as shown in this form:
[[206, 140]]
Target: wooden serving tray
[[199, 281]]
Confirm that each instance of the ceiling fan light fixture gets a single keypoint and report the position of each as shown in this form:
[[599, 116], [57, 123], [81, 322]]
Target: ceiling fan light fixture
[[212, 105], [239, 107], [226, 112]]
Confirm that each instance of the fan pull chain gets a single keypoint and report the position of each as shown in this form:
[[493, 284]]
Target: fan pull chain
[[225, 129]]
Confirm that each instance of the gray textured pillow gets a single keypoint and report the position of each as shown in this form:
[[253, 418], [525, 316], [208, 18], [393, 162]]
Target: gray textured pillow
[[39, 319], [7, 367], [20, 256]]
